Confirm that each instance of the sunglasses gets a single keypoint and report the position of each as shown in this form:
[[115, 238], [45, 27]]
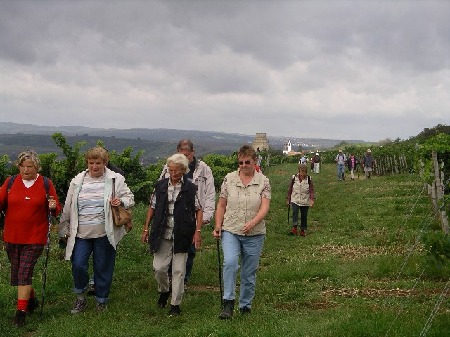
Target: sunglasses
[[247, 162]]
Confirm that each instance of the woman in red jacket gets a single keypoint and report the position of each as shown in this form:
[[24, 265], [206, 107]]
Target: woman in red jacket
[[26, 227]]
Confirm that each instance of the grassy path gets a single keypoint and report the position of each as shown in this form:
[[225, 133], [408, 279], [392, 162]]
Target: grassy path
[[360, 271]]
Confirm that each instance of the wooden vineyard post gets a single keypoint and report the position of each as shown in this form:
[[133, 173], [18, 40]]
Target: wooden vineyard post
[[440, 194]]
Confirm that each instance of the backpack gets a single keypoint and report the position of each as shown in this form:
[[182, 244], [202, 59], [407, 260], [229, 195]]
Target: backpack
[[8, 188]]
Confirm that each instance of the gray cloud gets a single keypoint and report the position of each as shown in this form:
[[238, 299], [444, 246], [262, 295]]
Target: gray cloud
[[331, 69]]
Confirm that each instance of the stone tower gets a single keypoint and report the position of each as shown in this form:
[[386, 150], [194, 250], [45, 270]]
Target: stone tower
[[260, 142]]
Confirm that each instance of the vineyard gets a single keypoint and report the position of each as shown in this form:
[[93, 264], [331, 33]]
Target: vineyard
[[375, 261], [395, 157], [427, 156]]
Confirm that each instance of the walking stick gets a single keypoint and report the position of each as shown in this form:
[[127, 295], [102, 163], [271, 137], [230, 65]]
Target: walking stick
[[47, 250], [220, 273], [289, 211]]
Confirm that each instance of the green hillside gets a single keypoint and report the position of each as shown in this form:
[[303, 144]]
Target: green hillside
[[362, 270]]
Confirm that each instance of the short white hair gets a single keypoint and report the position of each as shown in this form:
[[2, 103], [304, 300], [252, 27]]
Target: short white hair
[[178, 159]]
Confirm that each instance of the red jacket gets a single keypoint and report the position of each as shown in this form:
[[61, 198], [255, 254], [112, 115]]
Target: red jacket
[[26, 220]]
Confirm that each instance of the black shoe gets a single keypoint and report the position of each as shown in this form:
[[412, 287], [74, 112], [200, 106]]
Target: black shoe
[[245, 310], [33, 304], [227, 311], [19, 318], [175, 310], [162, 301]]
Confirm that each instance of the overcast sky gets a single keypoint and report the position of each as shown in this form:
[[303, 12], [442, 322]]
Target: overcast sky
[[366, 70]]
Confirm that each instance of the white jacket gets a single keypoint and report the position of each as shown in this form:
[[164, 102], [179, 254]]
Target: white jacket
[[69, 217]]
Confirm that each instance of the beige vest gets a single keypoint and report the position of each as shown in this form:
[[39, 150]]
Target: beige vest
[[300, 192], [243, 202]]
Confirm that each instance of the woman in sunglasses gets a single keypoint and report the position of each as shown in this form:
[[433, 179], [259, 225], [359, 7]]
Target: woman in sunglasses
[[244, 201]]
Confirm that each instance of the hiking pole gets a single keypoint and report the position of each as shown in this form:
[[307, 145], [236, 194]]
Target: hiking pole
[[47, 250], [289, 211], [220, 273]]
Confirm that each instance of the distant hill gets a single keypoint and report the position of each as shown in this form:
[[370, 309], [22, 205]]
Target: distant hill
[[157, 143]]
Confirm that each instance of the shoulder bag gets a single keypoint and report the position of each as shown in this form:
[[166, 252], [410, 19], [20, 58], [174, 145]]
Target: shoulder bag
[[121, 215]]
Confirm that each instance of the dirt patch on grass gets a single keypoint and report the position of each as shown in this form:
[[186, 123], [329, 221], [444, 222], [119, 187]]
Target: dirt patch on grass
[[353, 252], [380, 293]]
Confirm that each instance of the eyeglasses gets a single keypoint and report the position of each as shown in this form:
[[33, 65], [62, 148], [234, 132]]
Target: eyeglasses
[[246, 162]]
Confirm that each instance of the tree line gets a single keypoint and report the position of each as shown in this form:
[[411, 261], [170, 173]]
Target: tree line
[[411, 156], [139, 177]]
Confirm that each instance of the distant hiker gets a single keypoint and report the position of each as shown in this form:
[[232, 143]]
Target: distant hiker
[[368, 163], [175, 216], [27, 200], [201, 175], [258, 157], [316, 161], [340, 160], [244, 201], [87, 225], [300, 196], [352, 164], [303, 160]]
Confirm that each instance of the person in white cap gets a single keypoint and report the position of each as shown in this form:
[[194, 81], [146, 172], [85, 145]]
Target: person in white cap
[[368, 163]]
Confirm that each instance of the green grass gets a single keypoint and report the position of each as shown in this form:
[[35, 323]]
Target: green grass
[[361, 271]]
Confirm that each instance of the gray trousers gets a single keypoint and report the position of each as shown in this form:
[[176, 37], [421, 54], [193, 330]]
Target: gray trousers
[[161, 263]]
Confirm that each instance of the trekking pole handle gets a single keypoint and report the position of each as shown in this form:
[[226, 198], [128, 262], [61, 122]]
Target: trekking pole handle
[[51, 203]]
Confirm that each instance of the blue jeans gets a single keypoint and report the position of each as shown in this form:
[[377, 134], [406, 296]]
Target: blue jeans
[[248, 249], [340, 171], [104, 256]]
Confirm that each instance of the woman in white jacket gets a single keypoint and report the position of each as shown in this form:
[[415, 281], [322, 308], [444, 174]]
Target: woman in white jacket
[[87, 223]]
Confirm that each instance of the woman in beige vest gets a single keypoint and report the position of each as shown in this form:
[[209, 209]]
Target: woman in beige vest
[[243, 203]]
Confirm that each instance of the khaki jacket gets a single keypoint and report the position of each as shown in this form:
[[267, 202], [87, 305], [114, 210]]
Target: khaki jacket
[[243, 202]]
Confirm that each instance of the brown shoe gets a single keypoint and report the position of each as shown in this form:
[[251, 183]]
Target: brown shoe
[[79, 306]]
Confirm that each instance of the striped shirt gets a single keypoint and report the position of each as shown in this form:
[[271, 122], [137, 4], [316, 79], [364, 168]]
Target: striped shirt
[[91, 211]]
